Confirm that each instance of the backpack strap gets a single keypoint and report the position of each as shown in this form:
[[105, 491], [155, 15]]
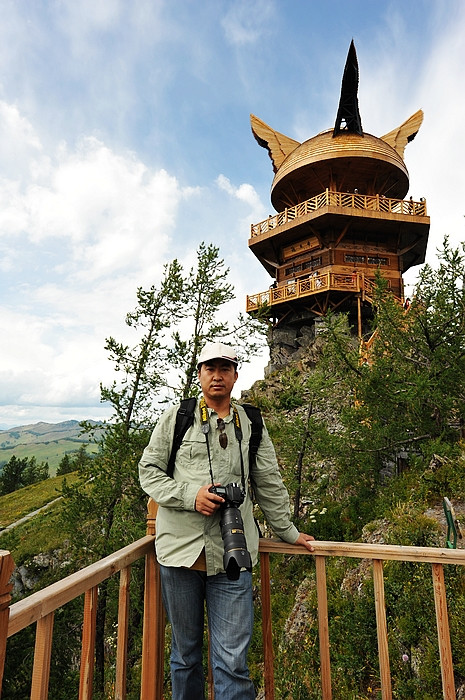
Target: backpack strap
[[184, 420], [255, 416]]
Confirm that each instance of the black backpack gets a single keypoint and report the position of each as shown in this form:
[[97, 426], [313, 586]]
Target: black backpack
[[185, 418]]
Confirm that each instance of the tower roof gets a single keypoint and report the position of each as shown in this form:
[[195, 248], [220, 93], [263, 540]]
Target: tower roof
[[346, 162]]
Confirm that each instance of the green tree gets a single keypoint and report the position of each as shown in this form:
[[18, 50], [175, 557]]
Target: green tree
[[74, 461], [106, 508], [65, 466], [414, 384], [18, 473], [35, 472], [12, 472], [207, 293], [142, 369]]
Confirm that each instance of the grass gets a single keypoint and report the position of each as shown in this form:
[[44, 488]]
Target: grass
[[42, 533], [16, 505]]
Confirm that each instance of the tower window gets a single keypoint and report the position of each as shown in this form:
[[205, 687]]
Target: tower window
[[377, 261], [354, 258]]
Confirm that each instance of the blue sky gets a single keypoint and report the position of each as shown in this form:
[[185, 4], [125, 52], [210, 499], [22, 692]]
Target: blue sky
[[125, 142]]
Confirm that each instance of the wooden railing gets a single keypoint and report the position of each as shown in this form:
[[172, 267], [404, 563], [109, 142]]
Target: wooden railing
[[314, 284], [39, 608], [346, 200]]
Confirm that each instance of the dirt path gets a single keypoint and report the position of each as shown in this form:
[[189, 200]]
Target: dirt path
[[30, 515]]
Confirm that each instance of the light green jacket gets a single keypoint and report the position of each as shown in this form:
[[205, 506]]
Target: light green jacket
[[182, 533]]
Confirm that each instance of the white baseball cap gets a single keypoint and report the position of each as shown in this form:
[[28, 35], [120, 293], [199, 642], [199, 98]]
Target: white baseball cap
[[217, 351]]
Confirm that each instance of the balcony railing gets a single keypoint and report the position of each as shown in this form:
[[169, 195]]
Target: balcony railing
[[39, 608], [345, 200], [316, 283]]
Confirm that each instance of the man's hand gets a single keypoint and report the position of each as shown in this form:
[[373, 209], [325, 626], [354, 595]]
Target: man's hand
[[306, 540], [207, 503]]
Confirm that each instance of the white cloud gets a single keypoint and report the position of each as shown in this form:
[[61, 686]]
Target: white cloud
[[92, 95], [78, 236], [245, 22], [246, 194]]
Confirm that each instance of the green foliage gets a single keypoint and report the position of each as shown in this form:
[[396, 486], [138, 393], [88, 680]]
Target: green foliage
[[206, 295], [74, 462], [142, 368], [18, 473]]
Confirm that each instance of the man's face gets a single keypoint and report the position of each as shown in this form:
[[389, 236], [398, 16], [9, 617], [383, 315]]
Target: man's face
[[217, 378]]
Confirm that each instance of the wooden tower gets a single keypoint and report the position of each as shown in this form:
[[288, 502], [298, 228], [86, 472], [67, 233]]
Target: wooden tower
[[342, 214]]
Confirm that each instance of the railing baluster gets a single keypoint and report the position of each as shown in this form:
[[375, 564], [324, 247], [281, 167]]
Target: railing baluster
[[6, 569], [42, 654], [340, 199], [88, 644], [266, 625], [442, 621], [122, 643], [323, 627], [381, 630], [153, 636]]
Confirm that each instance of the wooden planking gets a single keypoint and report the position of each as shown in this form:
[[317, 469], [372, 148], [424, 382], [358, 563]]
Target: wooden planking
[[40, 604], [89, 627], [362, 550], [42, 656], [153, 638], [442, 620], [123, 626], [323, 627], [6, 569], [268, 655], [381, 630]]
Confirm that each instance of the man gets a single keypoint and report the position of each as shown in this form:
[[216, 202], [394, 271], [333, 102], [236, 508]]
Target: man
[[189, 544]]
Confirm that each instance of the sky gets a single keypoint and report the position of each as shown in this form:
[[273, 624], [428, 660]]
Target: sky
[[125, 142]]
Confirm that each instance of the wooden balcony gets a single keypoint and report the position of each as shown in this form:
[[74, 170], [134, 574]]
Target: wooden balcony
[[401, 223], [340, 200], [310, 286], [39, 609]]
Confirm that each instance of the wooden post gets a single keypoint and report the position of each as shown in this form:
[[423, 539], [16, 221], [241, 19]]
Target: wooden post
[[153, 641], [323, 627], [6, 569], [381, 629], [442, 620], [123, 625], [266, 625], [86, 682], [42, 654]]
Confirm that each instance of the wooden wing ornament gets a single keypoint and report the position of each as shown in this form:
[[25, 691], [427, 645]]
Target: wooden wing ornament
[[406, 132], [278, 145]]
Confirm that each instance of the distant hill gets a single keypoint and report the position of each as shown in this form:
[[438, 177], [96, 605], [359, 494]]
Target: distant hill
[[45, 441]]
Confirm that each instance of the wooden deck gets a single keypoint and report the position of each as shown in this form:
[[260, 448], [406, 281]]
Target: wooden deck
[[340, 200], [309, 286]]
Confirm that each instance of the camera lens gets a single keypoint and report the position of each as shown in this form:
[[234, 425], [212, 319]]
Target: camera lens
[[236, 555]]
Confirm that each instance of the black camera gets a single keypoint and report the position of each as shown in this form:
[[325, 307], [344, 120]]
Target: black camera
[[236, 555]]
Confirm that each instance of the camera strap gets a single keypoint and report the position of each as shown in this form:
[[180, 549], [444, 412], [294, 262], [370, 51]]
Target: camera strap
[[205, 427]]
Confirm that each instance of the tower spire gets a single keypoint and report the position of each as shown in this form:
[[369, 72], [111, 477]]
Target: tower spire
[[348, 112]]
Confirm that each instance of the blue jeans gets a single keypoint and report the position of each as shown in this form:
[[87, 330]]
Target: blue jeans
[[230, 622]]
